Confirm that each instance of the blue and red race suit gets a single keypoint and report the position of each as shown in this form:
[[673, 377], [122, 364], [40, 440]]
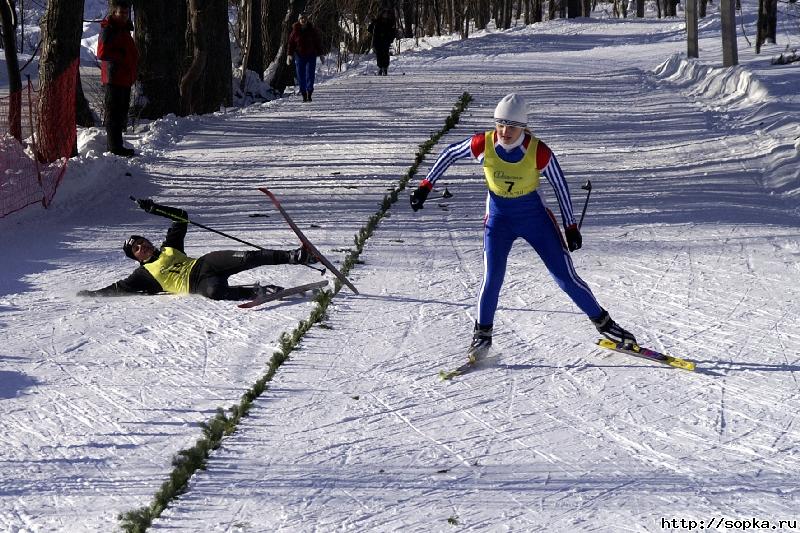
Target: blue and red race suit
[[515, 209]]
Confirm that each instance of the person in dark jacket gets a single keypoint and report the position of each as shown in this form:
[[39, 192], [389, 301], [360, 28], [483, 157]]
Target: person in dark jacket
[[169, 269], [305, 45], [383, 32], [120, 58]]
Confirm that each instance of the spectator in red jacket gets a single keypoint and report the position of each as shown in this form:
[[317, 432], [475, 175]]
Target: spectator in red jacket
[[119, 57], [305, 45]]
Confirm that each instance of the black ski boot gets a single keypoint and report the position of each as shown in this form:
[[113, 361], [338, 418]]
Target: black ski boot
[[481, 342], [265, 290], [613, 331]]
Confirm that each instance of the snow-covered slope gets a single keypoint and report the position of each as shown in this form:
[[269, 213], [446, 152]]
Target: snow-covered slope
[[688, 242]]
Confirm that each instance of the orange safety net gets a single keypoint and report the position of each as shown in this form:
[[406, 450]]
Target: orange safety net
[[37, 136]]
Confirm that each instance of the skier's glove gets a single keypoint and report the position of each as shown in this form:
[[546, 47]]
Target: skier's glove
[[418, 197], [173, 213], [574, 239], [301, 256]]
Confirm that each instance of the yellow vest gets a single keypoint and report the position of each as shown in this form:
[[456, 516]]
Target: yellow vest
[[171, 270], [510, 180]]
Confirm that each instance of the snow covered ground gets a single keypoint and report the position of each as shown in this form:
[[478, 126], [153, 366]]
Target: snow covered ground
[[691, 241]]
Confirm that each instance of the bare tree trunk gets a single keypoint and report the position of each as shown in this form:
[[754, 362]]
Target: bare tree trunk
[[247, 27], [692, 47], [254, 52], [730, 52], [12, 64], [161, 41], [767, 23], [198, 64], [536, 8], [83, 113], [272, 13], [408, 18], [207, 83], [62, 27]]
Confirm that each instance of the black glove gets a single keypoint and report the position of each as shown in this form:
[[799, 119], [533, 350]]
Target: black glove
[[146, 203], [418, 198], [166, 211], [301, 256], [574, 239]]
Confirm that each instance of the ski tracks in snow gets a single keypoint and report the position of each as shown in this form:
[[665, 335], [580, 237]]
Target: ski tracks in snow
[[355, 432]]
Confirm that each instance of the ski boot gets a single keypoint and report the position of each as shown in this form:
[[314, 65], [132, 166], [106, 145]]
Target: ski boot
[[266, 290], [481, 342]]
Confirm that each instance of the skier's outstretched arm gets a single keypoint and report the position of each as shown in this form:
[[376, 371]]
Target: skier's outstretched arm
[[546, 160], [451, 154], [139, 282]]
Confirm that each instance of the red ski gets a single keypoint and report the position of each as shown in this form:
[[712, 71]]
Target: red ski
[[311, 248]]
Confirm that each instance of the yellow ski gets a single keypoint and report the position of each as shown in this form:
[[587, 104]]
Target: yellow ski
[[646, 353]]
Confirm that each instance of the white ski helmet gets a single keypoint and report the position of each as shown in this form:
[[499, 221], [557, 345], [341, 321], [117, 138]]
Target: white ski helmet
[[512, 111]]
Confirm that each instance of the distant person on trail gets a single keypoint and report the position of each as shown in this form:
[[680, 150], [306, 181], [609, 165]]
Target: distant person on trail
[[513, 161], [120, 58], [169, 269], [305, 45], [383, 32]]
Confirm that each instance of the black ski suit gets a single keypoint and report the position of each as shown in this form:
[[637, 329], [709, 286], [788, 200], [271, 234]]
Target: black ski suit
[[208, 275]]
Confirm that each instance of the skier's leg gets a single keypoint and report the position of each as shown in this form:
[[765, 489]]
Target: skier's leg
[[217, 288], [210, 275], [544, 236], [229, 262], [497, 240]]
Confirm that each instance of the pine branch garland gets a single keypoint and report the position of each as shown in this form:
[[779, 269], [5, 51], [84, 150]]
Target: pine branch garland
[[187, 462]]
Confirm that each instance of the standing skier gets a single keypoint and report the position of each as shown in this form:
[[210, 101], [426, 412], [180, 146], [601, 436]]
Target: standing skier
[[513, 161], [169, 269]]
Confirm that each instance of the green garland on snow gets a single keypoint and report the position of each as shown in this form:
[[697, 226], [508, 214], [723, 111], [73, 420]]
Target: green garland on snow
[[190, 460]]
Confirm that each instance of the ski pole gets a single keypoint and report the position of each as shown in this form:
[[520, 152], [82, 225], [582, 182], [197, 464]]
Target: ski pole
[[586, 187], [156, 211]]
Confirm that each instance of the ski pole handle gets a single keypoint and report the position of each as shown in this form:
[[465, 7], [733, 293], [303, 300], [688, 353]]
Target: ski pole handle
[[586, 187]]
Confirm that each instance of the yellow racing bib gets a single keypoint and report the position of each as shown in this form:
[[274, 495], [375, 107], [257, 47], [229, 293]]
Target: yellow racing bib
[[171, 270], [510, 180]]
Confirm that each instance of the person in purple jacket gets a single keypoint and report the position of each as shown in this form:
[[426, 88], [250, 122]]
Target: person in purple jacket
[[513, 161]]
